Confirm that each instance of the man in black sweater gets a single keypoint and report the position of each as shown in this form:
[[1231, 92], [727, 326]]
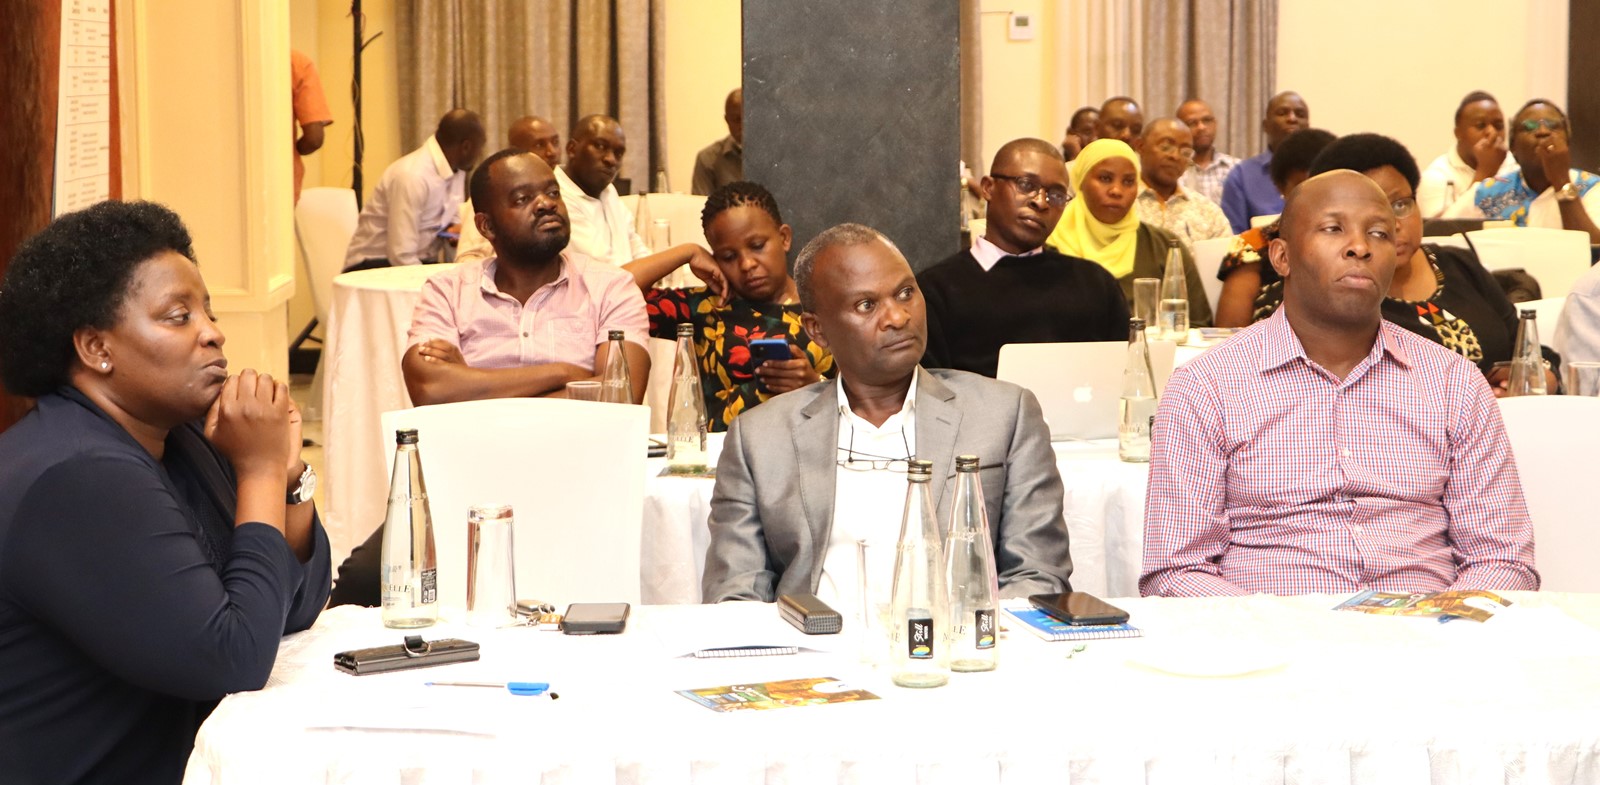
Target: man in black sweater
[[1008, 287]]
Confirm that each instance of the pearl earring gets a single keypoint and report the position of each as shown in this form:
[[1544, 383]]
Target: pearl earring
[[104, 365]]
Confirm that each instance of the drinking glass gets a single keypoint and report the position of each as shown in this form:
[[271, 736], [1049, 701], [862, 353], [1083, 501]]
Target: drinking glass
[[1146, 295], [491, 570], [1581, 378], [660, 235], [583, 391], [872, 596]]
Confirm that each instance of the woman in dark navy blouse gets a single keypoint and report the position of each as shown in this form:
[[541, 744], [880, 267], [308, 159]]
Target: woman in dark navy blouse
[[156, 533]]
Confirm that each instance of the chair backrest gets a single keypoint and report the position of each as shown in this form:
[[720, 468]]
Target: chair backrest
[[1554, 257], [324, 222], [1207, 260], [1553, 437], [573, 472], [1548, 313], [662, 355], [682, 214]]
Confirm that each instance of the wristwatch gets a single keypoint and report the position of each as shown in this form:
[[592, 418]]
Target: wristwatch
[[1568, 193], [303, 488]]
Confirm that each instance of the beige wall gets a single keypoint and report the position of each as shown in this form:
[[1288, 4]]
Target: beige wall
[[224, 167], [704, 48], [1395, 80]]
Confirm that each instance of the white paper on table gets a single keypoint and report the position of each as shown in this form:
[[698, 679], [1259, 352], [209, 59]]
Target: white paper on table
[[682, 629]]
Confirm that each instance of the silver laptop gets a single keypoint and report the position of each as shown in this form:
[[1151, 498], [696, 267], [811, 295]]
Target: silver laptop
[[1078, 384]]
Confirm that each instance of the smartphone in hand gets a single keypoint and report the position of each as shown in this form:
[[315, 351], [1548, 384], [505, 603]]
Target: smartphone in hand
[[764, 349]]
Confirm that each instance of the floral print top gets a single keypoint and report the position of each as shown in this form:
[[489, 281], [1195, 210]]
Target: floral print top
[[722, 344]]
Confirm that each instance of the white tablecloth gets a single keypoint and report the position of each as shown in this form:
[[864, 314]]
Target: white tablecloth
[[1104, 509], [366, 338], [1331, 697]]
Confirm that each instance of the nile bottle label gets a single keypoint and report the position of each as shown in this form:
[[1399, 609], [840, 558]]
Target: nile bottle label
[[919, 638], [430, 587], [984, 627]]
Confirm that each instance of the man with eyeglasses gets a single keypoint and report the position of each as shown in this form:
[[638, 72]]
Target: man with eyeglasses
[[1478, 154], [1008, 287], [809, 477], [1210, 167], [1545, 191], [1163, 201]]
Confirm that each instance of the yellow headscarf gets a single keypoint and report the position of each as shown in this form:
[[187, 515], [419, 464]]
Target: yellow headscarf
[[1080, 233]]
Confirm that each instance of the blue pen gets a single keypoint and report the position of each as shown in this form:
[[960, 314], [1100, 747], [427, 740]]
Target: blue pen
[[531, 688]]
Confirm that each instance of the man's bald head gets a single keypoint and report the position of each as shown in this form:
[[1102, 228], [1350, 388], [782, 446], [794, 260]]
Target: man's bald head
[[594, 153], [1120, 119], [1336, 255], [590, 126], [538, 136], [1315, 195], [460, 136]]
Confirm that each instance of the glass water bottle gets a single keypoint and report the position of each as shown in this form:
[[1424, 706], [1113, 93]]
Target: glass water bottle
[[1173, 312], [410, 565], [973, 582], [686, 410], [616, 384], [918, 652], [1138, 404], [1527, 360]]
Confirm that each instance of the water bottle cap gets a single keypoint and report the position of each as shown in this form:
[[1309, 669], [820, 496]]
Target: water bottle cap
[[686, 330], [966, 463], [1528, 313], [1136, 323], [615, 335], [919, 470], [405, 436]]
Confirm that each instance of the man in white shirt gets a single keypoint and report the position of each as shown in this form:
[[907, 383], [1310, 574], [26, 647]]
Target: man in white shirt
[[417, 196], [1479, 154], [1211, 166], [1163, 201], [1546, 191], [807, 475]]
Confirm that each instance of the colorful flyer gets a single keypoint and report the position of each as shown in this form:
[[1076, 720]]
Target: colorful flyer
[[777, 694]]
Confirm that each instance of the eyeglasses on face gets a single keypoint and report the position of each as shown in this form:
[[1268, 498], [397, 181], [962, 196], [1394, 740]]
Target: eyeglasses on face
[[1403, 206], [1533, 124], [1028, 186], [1168, 148]]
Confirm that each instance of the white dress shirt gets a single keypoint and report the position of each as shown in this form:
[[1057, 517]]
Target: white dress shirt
[[988, 255], [867, 505], [417, 196], [601, 228], [1448, 179]]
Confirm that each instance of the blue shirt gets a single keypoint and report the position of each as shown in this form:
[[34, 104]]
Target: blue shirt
[[1249, 192]]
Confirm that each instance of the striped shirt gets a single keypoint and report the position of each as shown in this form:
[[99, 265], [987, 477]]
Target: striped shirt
[[1267, 474]]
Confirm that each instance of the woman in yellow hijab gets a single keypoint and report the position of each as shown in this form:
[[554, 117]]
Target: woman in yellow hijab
[[1101, 225]]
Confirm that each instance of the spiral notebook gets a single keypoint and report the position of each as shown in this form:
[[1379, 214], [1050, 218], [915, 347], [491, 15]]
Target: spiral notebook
[[746, 651], [1050, 628]]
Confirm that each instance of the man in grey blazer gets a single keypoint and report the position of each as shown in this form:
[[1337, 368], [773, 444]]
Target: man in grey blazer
[[805, 475]]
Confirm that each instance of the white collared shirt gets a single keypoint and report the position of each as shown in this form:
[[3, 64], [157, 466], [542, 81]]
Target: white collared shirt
[[1447, 180], [988, 255], [867, 505], [417, 196], [602, 228]]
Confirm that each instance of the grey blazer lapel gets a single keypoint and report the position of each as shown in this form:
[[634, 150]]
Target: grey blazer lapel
[[938, 421], [816, 444]]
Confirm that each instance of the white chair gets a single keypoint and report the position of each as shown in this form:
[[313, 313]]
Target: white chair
[[574, 473], [682, 214], [1258, 221], [324, 222], [1548, 313], [1207, 260], [662, 355], [1553, 437], [1556, 258]]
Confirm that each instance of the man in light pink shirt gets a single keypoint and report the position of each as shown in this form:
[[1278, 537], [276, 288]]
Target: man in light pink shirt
[[533, 316]]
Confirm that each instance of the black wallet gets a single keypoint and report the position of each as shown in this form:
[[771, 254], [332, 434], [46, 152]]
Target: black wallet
[[414, 653]]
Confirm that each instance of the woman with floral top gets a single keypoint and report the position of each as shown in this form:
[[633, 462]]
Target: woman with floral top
[[749, 297]]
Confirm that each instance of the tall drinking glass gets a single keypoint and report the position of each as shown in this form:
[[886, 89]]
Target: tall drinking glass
[[1146, 299], [660, 235], [1581, 378]]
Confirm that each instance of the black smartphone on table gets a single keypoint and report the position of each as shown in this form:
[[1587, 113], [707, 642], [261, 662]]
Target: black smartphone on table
[[1079, 608]]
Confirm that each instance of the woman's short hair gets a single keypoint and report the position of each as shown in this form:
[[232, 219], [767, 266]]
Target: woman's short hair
[[1365, 152], [75, 273], [1296, 152], [741, 193]]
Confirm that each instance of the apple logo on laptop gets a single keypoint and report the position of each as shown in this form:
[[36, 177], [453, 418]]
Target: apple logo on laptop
[[1083, 393]]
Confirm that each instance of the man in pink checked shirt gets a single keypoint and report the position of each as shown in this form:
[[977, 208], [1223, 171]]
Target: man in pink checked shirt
[[1324, 450]]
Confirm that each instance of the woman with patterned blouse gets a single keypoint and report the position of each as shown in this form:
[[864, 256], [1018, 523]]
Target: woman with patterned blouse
[[1441, 293], [750, 296]]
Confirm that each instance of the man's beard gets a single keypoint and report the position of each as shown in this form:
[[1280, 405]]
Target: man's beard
[[540, 246]]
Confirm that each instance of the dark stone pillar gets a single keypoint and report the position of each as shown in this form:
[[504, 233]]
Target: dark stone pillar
[[852, 113], [1583, 89]]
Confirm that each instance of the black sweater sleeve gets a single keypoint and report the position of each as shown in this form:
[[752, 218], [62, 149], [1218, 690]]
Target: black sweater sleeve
[[119, 572]]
